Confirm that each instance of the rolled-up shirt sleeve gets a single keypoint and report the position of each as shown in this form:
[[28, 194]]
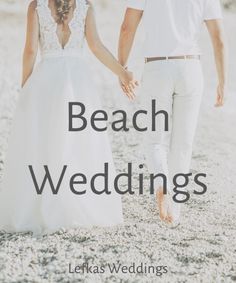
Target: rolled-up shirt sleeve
[[213, 10], [136, 4]]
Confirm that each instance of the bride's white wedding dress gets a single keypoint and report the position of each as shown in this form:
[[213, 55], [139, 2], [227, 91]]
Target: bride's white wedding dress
[[40, 137]]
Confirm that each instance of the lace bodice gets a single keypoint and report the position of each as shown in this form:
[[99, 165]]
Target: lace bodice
[[49, 43]]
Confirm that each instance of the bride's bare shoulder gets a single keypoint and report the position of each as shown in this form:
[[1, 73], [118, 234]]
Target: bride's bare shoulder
[[32, 15], [32, 9], [32, 6]]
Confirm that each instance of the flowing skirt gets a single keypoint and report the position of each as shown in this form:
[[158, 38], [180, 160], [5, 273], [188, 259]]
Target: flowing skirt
[[40, 137]]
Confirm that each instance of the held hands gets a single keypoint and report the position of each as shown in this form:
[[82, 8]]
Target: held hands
[[128, 84], [221, 92]]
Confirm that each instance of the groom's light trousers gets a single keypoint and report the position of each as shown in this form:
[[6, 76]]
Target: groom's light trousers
[[177, 87]]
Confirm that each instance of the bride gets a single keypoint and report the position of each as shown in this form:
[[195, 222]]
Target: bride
[[40, 133]]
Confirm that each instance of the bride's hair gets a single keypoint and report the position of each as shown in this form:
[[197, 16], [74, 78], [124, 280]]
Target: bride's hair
[[63, 8]]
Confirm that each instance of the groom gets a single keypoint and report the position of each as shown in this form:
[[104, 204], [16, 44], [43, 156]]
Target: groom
[[173, 76]]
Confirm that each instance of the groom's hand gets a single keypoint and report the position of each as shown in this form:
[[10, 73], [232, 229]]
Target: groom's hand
[[128, 84]]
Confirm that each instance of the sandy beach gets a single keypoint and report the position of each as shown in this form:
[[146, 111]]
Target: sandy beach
[[202, 248]]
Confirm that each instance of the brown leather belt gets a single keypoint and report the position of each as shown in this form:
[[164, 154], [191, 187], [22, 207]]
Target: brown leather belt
[[151, 59]]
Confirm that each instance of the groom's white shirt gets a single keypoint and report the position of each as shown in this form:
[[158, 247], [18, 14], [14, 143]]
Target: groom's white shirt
[[173, 26]]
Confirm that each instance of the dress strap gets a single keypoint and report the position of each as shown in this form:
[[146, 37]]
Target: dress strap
[[41, 3], [83, 7]]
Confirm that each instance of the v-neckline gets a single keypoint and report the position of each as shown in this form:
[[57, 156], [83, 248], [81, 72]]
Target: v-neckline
[[56, 24]]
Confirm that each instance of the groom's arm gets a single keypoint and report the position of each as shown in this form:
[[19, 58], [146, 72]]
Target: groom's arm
[[217, 34], [127, 34]]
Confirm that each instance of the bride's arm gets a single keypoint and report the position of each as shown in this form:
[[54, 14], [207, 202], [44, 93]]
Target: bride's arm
[[31, 44], [101, 52]]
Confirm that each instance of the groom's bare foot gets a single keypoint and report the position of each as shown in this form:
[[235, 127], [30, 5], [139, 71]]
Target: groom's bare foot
[[162, 203]]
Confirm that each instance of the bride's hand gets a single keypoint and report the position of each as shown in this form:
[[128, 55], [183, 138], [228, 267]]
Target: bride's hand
[[128, 84]]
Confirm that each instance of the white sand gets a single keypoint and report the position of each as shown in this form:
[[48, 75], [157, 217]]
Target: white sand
[[201, 249]]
